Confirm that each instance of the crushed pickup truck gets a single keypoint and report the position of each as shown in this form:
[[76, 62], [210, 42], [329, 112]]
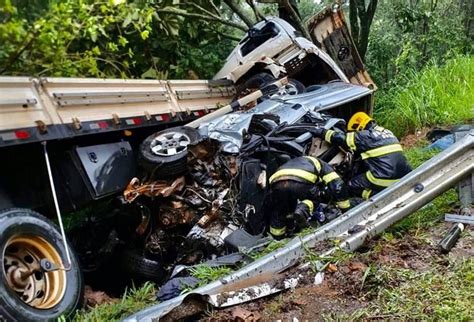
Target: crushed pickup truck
[[209, 199], [70, 150]]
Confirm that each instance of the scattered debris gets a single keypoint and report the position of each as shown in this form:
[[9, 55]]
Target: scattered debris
[[242, 315]]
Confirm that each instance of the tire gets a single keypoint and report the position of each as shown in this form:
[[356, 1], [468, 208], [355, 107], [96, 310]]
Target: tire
[[295, 86], [163, 163], [255, 82], [137, 265], [25, 237]]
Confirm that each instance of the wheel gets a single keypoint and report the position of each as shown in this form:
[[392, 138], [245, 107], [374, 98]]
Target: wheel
[[294, 87], [164, 154], [253, 84], [137, 265], [26, 291]]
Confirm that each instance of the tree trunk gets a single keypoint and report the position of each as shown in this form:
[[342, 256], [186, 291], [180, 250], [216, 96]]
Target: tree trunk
[[360, 20], [288, 10], [237, 9]]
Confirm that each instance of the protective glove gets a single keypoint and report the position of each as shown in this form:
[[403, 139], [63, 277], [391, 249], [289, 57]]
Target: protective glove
[[301, 215]]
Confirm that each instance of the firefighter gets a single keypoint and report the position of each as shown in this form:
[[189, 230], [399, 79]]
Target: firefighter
[[301, 179], [379, 161]]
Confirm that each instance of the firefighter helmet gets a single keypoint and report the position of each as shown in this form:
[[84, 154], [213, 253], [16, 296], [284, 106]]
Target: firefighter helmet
[[358, 121]]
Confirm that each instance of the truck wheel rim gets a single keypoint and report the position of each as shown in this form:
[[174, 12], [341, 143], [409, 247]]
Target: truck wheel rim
[[21, 265], [170, 143]]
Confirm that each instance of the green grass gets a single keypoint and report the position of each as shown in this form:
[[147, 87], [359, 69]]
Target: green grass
[[132, 301], [206, 274], [431, 295], [438, 95], [273, 245]]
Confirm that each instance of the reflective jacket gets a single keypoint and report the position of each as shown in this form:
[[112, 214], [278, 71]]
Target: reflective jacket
[[378, 149], [312, 170]]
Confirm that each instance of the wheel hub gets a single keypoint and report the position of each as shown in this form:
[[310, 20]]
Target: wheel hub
[[170, 143], [21, 265]]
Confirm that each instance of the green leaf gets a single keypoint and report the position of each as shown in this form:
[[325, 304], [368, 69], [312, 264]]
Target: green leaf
[[127, 21], [123, 41], [144, 34]]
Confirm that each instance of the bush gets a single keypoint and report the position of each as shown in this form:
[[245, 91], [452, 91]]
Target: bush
[[437, 95]]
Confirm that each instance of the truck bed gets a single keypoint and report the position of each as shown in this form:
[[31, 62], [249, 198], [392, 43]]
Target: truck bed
[[42, 109]]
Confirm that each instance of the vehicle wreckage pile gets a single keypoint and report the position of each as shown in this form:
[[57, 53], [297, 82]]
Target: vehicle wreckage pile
[[210, 201]]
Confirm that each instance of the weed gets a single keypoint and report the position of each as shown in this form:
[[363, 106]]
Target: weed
[[274, 306], [437, 95], [431, 295], [206, 274], [273, 245], [319, 263], [132, 301]]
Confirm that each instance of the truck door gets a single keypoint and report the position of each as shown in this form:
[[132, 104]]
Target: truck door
[[329, 31]]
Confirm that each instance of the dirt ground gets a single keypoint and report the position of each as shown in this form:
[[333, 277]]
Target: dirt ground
[[346, 289]]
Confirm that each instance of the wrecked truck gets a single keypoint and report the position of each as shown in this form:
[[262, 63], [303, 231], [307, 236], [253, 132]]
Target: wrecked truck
[[84, 156]]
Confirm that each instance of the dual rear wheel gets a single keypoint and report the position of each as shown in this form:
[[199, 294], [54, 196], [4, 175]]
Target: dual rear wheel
[[28, 291]]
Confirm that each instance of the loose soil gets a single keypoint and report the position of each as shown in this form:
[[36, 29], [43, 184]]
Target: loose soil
[[414, 139]]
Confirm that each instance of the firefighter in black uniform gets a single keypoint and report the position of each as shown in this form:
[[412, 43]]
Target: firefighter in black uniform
[[298, 180], [379, 161]]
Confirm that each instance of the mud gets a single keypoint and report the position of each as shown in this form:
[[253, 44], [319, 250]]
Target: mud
[[93, 298], [414, 139]]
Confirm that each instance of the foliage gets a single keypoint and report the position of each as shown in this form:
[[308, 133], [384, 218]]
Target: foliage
[[406, 35], [437, 95], [206, 274], [132, 301], [272, 246], [110, 38]]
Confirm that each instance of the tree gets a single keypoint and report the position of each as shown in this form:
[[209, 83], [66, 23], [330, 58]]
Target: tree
[[112, 39], [361, 16]]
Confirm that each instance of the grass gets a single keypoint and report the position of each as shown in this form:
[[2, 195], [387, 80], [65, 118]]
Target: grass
[[206, 274], [132, 301], [438, 95], [273, 245], [430, 295]]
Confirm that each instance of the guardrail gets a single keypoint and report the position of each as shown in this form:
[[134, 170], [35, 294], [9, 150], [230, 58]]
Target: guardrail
[[394, 203]]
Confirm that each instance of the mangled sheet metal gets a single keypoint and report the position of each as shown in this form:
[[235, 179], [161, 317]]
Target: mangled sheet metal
[[379, 212], [229, 129]]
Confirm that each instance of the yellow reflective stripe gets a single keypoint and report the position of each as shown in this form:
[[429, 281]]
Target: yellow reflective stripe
[[315, 161], [378, 181], [377, 152], [308, 176], [277, 231], [350, 140], [366, 193], [343, 204], [328, 136], [310, 205], [330, 177]]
